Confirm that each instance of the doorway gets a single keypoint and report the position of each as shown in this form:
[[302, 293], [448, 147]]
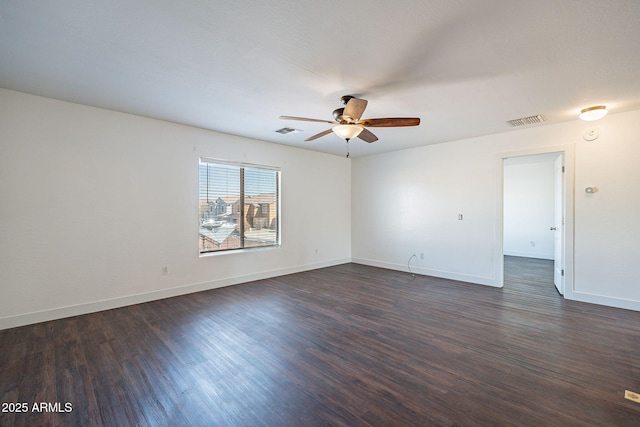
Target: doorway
[[532, 212]]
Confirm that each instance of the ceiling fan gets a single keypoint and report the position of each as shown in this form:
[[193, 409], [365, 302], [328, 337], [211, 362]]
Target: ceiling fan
[[348, 122]]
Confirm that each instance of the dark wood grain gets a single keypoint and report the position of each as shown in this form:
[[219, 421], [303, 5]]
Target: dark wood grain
[[347, 345]]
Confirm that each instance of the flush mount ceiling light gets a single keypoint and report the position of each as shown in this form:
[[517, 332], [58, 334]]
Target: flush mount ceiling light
[[593, 113], [347, 131]]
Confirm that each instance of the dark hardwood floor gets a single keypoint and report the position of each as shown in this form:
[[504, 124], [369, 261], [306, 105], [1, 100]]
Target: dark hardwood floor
[[348, 345]]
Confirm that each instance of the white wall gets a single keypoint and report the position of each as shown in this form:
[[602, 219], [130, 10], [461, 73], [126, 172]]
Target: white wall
[[93, 203], [408, 202], [529, 206], [607, 240]]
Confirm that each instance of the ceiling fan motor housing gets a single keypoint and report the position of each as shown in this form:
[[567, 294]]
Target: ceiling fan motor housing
[[346, 98]]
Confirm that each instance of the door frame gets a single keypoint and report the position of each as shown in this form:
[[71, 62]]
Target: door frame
[[568, 241], [558, 221]]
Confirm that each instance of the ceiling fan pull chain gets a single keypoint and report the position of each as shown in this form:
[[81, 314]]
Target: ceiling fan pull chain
[[347, 139]]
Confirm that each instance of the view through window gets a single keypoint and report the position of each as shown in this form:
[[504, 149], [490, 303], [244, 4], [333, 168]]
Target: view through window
[[239, 206]]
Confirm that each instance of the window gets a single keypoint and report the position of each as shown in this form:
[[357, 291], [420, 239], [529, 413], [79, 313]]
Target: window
[[239, 206]]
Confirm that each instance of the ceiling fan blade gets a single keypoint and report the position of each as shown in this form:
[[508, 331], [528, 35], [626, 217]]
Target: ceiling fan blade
[[318, 135], [354, 109], [304, 119], [390, 122], [367, 136]]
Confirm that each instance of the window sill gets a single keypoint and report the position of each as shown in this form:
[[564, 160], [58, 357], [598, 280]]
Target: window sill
[[236, 251]]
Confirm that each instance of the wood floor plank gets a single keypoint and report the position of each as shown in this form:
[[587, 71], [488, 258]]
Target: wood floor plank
[[346, 345]]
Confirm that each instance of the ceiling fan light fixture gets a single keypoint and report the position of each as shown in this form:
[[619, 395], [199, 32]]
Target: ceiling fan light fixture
[[593, 113], [347, 131]]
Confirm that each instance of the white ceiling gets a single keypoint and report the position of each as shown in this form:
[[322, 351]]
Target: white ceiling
[[464, 67]]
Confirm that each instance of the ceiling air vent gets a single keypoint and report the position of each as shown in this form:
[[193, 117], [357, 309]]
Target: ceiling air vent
[[285, 131], [539, 118]]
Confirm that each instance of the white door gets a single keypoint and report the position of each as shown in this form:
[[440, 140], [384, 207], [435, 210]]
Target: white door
[[558, 227]]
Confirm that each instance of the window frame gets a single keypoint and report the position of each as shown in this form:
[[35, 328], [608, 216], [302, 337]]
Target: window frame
[[241, 211]]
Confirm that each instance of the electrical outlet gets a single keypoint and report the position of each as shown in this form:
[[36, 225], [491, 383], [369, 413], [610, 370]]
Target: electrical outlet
[[421, 255], [533, 244], [165, 271], [632, 396]]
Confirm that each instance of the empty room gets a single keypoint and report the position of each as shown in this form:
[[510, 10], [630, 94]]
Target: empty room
[[218, 213]]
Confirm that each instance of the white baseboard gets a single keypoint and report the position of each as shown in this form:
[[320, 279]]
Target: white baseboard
[[603, 300], [529, 255], [95, 306], [479, 280]]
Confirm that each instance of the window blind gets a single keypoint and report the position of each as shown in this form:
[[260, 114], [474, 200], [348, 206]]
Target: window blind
[[239, 206]]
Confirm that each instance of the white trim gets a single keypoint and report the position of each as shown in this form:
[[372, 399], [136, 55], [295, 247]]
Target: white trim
[[95, 306], [239, 250], [478, 280], [606, 301], [529, 255], [211, 160]]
